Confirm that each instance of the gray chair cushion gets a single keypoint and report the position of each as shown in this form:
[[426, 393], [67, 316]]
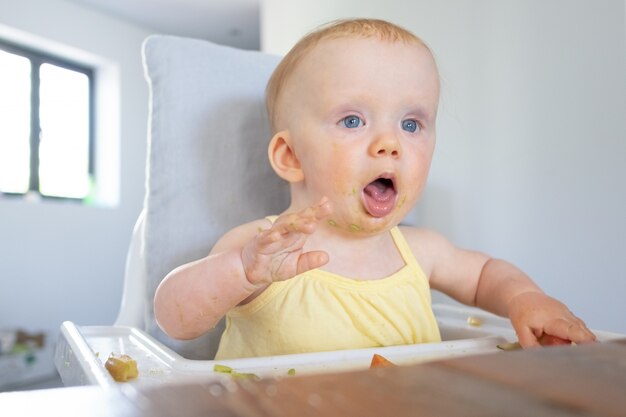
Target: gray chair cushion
[[207, 167]]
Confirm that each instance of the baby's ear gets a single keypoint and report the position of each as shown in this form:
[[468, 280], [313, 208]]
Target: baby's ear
[[283, 158]]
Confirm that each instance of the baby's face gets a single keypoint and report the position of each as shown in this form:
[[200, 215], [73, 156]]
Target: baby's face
[[361, 114]]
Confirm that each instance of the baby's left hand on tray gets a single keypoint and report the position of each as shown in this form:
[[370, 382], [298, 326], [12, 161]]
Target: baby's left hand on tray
[[540, 320]]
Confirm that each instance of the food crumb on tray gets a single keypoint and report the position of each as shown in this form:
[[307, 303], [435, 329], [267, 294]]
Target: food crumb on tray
[[121, 367], [379, 361]]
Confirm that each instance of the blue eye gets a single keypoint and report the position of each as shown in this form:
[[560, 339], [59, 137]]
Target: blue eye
[[410, 125], [352, 122]]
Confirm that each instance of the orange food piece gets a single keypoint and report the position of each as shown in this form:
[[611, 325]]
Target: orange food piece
[[121, 367], [379, 361]]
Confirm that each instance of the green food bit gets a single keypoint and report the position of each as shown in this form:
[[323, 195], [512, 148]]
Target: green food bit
[[354, 227], [291, 372], [332, 222], [228, 370], [222, 368], [244, 375]]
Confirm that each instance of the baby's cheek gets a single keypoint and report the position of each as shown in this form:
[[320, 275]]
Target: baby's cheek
[[342, 187], [333, 178]]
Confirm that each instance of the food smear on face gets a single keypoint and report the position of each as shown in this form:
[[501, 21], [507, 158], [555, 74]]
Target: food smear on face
[[379, 361], [379, 197], [121, 367]]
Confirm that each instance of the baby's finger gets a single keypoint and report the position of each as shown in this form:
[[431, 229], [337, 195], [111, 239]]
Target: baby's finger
[[549, 340], [267, 237], [574, 331], [272, 241], [294, 223], [305, 221], [527, 337], [587, 335], [311, 260], [322, 209], [558, 328], [310, 216], [579, 333]]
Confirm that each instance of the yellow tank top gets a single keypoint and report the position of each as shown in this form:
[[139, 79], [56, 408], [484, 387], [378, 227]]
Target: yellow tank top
[[321, 311]]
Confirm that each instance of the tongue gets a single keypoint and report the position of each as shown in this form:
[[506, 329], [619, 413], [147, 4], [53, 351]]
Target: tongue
[[379, 198]]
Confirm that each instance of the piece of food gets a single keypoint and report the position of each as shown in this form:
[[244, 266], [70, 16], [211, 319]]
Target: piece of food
[[223, 369], [250, 375], [474, 321], [509, 346], [121, 367], [291, 371], [379, 361]]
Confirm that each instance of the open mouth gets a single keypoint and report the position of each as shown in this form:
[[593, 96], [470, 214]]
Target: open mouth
[[379, 197]]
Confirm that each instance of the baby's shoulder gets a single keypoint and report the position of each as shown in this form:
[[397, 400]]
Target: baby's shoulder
[[425, 241], [430, 248], [240, 235]]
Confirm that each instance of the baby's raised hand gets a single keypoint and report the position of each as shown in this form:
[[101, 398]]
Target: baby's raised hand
[[541, 320], [276, 254]]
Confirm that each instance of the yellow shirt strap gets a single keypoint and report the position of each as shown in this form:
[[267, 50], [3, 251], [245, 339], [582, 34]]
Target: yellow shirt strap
[[403, 247]]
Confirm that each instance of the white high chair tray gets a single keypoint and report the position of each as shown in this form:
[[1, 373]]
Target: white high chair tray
[[82, 352]]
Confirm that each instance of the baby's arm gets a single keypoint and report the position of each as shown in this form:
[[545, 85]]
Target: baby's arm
[[194, 297], [497, 286], [536, 317]]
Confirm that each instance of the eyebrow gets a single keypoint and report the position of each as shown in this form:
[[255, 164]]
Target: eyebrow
[[422, 113], [414, 107]]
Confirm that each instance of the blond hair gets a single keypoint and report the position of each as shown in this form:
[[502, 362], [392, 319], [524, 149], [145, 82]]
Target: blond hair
[[355, 28]]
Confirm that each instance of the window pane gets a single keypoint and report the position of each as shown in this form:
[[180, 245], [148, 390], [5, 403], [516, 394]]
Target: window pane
[[14, 123], [64, 143]]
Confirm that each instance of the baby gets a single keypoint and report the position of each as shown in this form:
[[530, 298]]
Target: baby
[[353, 109]]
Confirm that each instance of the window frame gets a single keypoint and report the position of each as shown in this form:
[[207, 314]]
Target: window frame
[[37, 58]]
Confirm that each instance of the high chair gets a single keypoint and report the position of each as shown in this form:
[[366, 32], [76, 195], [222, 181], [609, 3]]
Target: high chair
[[207, 171], [207, 160]]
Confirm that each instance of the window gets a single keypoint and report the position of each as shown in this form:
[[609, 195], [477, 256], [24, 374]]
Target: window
[[46, 125]]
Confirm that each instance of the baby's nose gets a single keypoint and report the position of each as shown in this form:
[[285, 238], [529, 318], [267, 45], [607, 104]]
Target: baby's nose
[[385, 145]]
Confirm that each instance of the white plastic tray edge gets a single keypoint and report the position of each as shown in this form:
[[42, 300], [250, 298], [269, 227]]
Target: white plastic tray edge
[[76, 362], [82, 351]]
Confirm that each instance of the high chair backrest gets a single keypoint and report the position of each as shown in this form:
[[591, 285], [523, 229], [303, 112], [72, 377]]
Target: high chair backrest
[[207, 168]]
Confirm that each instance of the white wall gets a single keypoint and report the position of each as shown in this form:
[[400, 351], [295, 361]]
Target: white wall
[[66, 261], [531, 133]]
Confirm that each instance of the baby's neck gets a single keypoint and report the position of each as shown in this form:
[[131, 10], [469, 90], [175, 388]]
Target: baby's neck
[[357, 257]]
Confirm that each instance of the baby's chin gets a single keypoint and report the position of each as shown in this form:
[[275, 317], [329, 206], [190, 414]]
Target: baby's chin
[[360, 222]]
